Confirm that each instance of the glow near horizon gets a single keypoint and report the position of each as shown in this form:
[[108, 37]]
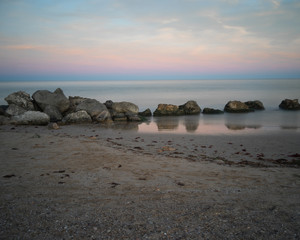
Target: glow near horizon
[[131, 39]]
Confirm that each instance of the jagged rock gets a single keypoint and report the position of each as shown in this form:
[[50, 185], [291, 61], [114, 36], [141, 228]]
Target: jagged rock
[[289, 104], [95, 109], [125, 107], [146, 113], [212, 111], [31, 118], [190, 108], [77, 117], [44, 98], [255, 105], [109, 104], [14, 110], [236, 107], [167, 110], [53, 113], [21, 99]]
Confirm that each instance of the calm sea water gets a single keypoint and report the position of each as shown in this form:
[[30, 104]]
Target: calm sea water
[[207, 93]]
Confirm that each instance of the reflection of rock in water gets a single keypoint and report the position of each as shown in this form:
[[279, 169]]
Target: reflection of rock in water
[[126, 125], [191, 123], [241, 127], [167, 123]]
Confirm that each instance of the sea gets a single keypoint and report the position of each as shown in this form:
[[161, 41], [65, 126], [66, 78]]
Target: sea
[[207, 93]]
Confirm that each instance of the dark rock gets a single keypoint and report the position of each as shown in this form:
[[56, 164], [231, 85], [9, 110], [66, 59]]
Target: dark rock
[[255, 105], [146, 113], [14, 110], [31, 118], [132, 117], [236, 107], [77, 117], [109, 104], [212, 111], [21, 99], [3, 109], [167, 110], [44, 98], [119, 116], [74, 102], [289, 104], [95, 109], [190, 108], [53, 113]]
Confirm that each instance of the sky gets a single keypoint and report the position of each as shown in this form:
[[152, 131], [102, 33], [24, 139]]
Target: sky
[[157, 39]]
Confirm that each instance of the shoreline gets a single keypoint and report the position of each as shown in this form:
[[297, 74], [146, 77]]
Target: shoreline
[[83, 181]]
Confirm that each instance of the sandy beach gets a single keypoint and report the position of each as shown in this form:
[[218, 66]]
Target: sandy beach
[[90, 182]]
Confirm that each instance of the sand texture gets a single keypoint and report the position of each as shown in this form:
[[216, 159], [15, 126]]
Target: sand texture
[[87, 182]]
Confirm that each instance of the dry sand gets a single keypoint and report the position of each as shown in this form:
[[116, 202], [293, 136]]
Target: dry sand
[[87, 182]]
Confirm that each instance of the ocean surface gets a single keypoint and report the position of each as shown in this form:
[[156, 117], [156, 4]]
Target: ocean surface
[[207, 93]]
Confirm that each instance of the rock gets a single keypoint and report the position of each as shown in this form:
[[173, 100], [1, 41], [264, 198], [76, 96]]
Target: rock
[[255, 105], [53, 113], [21, 99], [167, 110], [53, 126], [109, 104], [31, 118], [95, 109], [57, 99], [14, 110], [212, 111], [236, 107], [289, 104], [125, 107], [146, 113], [4, 120], [190, 108], [74, 102], [77, 117], [119, 116], [132, 117]]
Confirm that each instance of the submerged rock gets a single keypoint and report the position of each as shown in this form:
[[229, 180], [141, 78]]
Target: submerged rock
[[212, 111], [21, 99], [43, 98], [255, 105], [31, 118], [236, 107], [289, 104]]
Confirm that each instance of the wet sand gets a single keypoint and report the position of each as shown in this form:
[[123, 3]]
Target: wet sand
[[87, 182]]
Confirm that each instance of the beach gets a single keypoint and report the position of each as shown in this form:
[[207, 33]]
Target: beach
[[97, 182]]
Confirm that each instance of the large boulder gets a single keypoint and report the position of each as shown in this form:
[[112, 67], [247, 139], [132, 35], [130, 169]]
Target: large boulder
[[236, 107], [125, 107], [53, 113], [212, 111], [57, 99], [255, 105], [123, 111], [74, 102], [21, 99], [77, 117], [190, 108], [14, 110], [289, 104], [95, 109], [31, 118], [167, 110]]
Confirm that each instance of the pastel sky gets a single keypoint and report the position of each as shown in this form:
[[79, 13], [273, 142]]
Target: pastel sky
[[157, 39]]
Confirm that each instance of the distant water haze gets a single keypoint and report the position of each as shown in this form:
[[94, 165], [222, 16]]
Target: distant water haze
[[207, 93]]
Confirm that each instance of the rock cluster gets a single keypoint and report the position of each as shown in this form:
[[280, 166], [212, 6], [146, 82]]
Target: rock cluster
[[189, 108], [46, 107], [243, 107]]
